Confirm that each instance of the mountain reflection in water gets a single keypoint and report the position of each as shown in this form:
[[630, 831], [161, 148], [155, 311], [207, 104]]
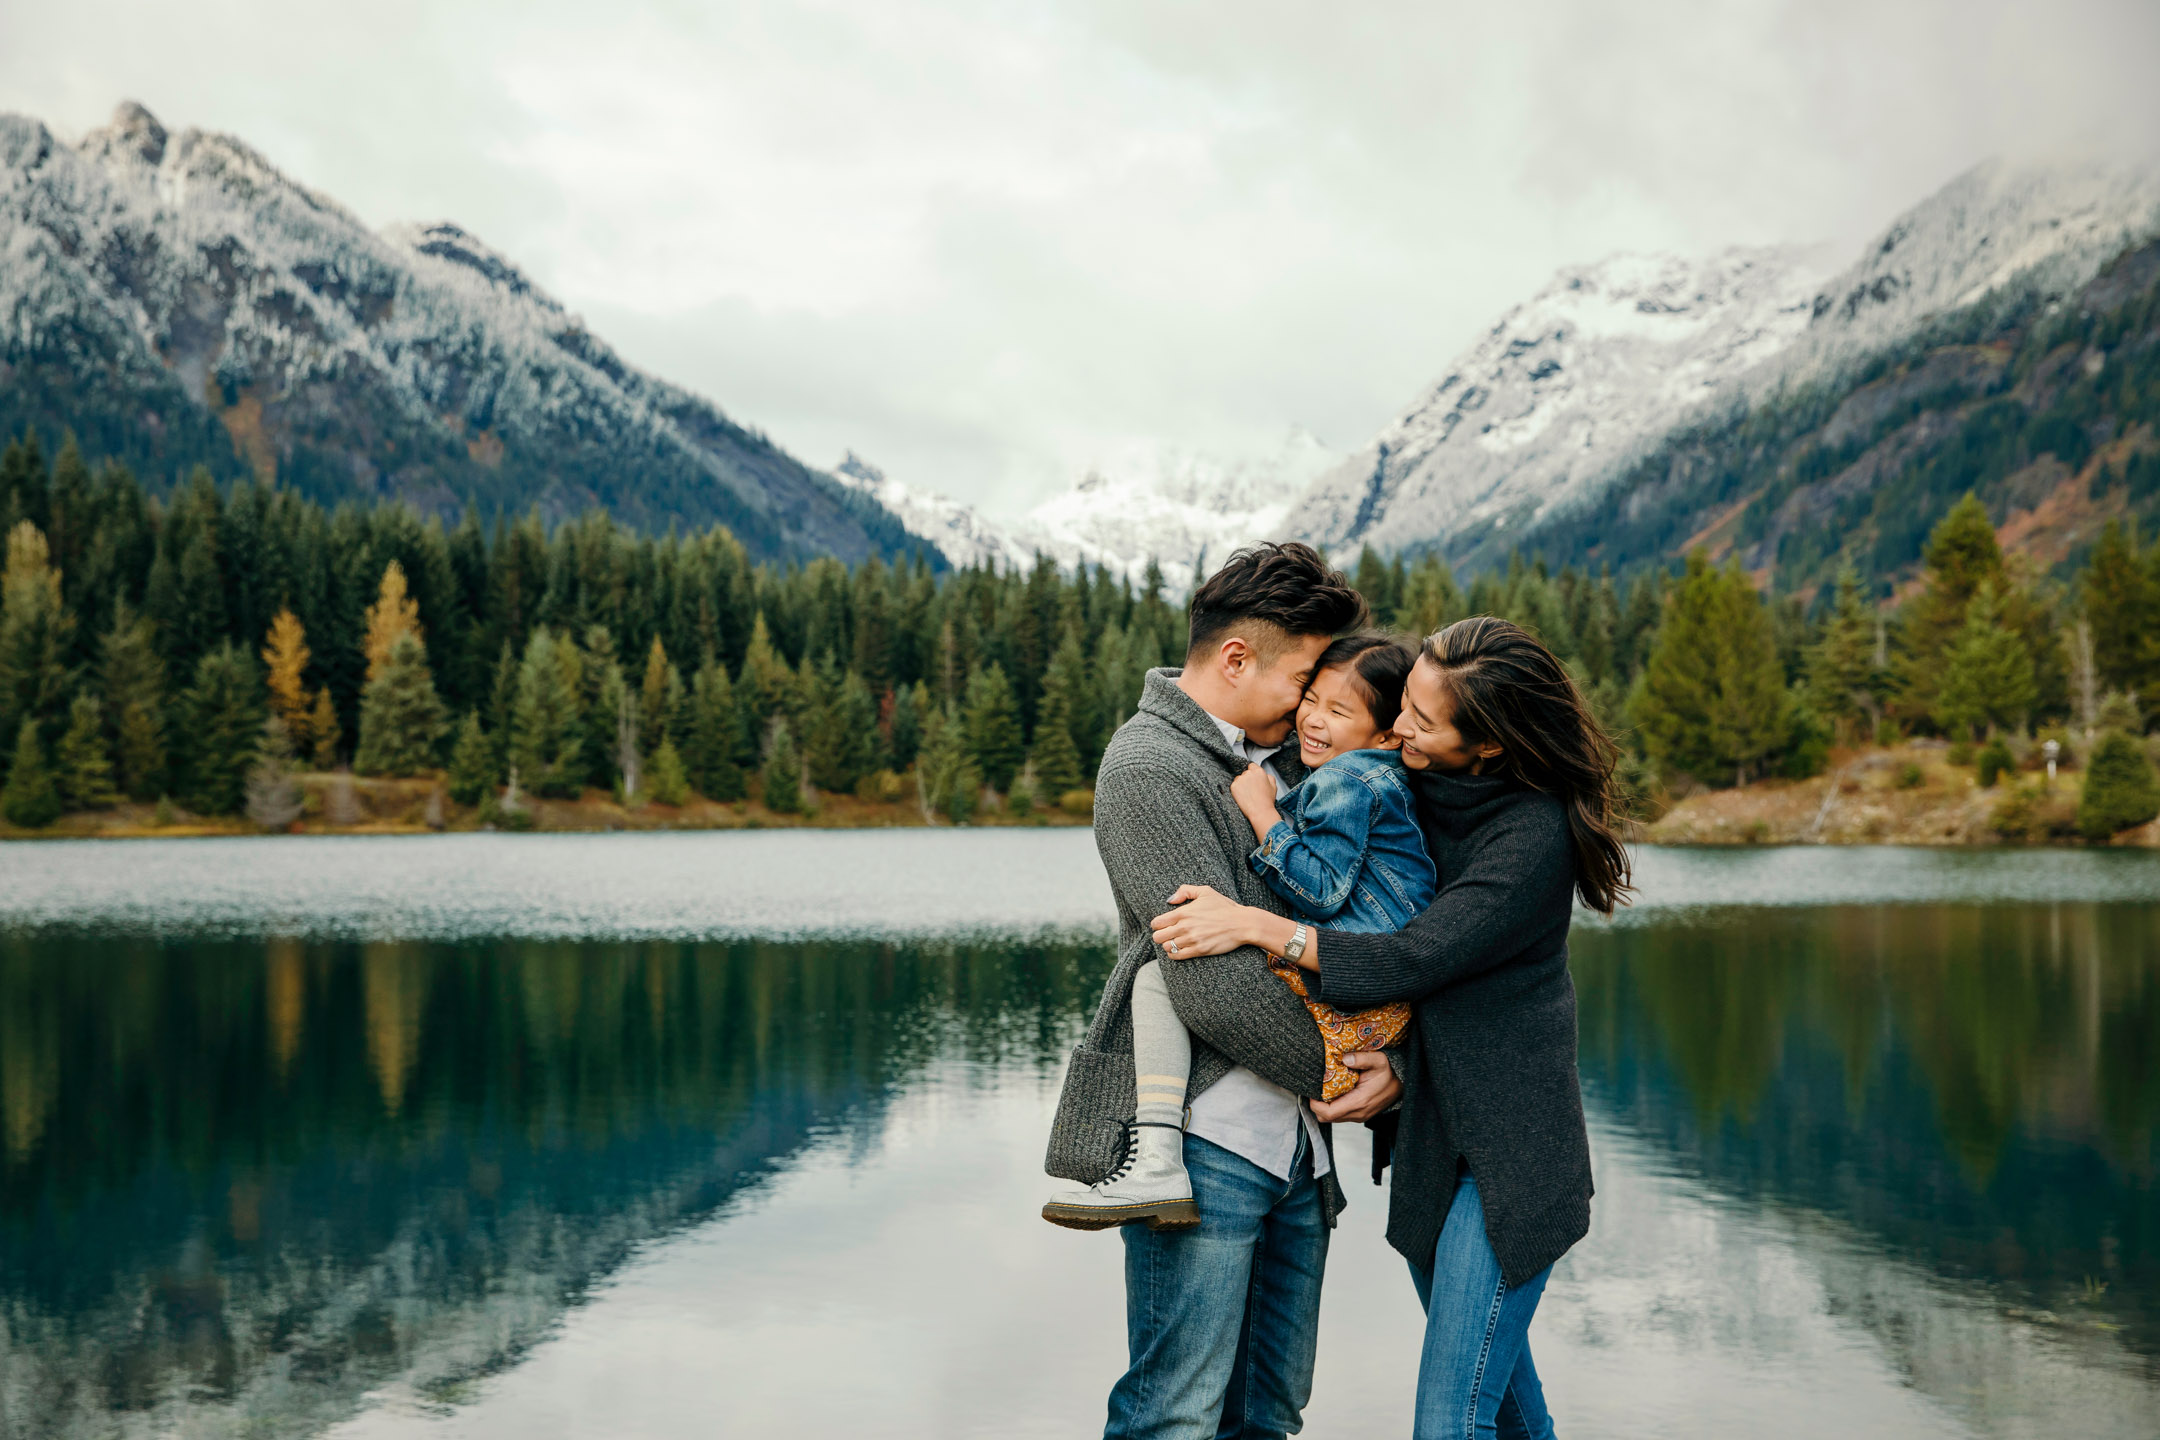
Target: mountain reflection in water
[[249, 1184]]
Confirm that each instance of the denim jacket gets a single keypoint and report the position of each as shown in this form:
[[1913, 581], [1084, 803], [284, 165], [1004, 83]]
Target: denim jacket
[[1347, 851]]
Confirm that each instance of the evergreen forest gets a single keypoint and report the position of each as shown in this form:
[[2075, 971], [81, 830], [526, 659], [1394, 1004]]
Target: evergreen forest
[[199, 650]]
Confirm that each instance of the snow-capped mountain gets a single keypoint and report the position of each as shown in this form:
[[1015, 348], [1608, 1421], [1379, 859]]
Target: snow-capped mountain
[[1567, 385], [1182, 509], [1543, 413], [175, 299]]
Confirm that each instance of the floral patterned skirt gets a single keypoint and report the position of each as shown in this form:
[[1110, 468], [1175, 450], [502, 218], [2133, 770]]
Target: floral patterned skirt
[[1345, 1032]]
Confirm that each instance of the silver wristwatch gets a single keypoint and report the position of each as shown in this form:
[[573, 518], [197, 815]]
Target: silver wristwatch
[[1295, 950]]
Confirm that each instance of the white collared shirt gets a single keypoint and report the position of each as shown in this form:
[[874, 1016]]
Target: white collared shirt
[[1246, 1115]]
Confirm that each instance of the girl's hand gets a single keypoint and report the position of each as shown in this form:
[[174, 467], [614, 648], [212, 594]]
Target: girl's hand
[[1254, 791], [1205, 922]]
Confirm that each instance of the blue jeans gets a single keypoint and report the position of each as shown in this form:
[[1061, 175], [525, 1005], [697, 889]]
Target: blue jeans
[[1222, 1320], [1475, 1378]]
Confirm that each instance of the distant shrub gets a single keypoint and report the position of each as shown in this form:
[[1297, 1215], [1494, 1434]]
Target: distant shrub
[[2120, 789], [1886, 732], [1910, 776], [1020, 799], [1994, 761], [2016, 815], [1961, 752], [1809, 748], [1077, 802]]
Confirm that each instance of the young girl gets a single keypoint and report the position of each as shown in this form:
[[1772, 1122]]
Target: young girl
[[1343, 849]]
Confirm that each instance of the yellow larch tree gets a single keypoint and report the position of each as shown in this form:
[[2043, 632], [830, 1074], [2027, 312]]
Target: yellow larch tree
[[285, 652], [394, 613]]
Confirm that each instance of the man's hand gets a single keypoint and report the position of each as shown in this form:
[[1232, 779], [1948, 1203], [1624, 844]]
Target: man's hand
[[1254, 792], [1376, 1089]]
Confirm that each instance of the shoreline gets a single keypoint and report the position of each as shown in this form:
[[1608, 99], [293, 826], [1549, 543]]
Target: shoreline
[[419, 806], [1907, 794]]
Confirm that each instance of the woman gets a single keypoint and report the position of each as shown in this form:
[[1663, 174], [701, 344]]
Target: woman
[[1492, 1180]]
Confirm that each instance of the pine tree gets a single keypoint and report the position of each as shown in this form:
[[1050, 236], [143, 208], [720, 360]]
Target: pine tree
[[844, 743], [285, 659], [401, 716], [36, 632], [83, 765], [667, 782], [2122, 604], [472, 775], [393, 614], [274, 800], [1987, 679], [782, 775], [223, 714], [133, 680], [909, 703], [946, 780], [30, 798], [716, 734], [547, 733], [1713, 699], [994, 738], [1962, 553], [767, 684], [2120, 790], [324, 730], [660, 697], [1055, 759], [1841, 665]]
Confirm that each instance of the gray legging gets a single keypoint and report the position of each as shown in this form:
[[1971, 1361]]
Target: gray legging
[[1162, 1051]]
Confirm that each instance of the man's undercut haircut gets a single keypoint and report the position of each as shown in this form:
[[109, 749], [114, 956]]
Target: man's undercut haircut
[[1271, 596]]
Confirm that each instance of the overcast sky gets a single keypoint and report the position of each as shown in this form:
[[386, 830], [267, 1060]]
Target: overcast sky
[[985, 244]]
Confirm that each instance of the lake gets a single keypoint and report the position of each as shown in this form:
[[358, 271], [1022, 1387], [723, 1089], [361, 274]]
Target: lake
[[669, 1136]]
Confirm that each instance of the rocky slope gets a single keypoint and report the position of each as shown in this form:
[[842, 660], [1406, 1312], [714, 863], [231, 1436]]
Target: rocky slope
[[177, 300], [1545, 434]]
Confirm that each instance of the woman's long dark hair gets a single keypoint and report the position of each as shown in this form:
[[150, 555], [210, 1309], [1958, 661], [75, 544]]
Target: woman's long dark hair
[[1509, 690]]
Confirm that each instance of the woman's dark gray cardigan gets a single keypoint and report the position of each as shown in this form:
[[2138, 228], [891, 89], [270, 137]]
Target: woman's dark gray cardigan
[[1490, 1079]]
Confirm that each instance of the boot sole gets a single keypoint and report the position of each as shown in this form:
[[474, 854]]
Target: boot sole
[[1159, 1215]]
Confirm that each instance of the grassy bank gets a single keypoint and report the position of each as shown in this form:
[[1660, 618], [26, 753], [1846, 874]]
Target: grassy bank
[[341, 804], [1910, 794]]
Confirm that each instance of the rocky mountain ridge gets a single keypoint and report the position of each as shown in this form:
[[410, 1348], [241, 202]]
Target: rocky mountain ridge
[[175, 299]]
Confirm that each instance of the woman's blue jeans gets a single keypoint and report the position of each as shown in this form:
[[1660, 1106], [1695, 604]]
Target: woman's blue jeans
[[1475, 1378]]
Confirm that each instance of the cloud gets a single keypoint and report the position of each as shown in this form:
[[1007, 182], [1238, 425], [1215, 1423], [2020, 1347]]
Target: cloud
[[985, 243]]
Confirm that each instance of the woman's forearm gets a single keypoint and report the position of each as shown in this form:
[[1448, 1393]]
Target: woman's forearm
[[1272, 932]]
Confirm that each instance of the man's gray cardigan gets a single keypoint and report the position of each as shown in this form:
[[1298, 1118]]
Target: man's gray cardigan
[[1164, 818]]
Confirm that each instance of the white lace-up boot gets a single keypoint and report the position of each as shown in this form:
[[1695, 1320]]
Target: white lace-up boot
[[1149, 1184]]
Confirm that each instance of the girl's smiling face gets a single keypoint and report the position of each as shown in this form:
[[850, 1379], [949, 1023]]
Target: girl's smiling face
[[1335, 718]]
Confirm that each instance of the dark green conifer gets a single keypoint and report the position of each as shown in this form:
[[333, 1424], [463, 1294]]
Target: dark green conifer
[[1713, 702], [2120, 789], [547, 731], [781, 779], [716, 734], [994, 737], [472, 775], [223, 714], [30, 798], [133, 680], [401, 716], [83, 765]]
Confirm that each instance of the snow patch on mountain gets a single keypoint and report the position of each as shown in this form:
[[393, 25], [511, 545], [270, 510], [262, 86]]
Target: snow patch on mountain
[[1184, 510], [1566, 386], [1550, 406]]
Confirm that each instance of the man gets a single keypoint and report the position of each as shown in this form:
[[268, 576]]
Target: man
[[1221, 1318]]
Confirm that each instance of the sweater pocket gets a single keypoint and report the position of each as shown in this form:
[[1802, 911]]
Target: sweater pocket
[[1087, 1139]]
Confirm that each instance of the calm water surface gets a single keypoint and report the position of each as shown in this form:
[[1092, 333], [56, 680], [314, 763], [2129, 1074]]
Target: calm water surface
[[690, 1135]]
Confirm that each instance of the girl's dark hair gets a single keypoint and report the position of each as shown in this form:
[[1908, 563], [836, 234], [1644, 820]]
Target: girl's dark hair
[[1381, 664], [1507, 689]]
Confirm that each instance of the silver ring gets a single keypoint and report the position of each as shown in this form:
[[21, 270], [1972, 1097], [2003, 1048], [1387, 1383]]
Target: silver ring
[[1172, 947]]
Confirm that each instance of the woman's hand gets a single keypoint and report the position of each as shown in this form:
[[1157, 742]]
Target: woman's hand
[[1254, 792], [1205, 922], [1376, 1089]]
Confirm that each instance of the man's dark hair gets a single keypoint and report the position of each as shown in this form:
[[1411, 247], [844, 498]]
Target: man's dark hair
[[1268, 594]]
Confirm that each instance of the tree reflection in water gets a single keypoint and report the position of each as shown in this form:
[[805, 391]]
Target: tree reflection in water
[[1977, 1087], [274, 1174]]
